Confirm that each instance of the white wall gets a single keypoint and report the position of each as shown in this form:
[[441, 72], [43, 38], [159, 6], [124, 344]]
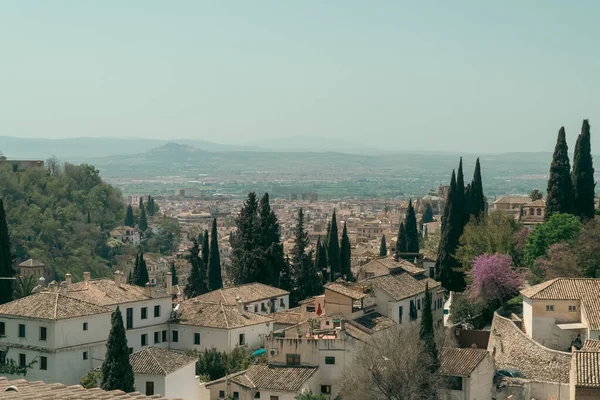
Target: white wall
[[220, 339], [182, 384], [149, 325], [481, 380], [527, 315], [69, 332], [267, 303], [159, 383]]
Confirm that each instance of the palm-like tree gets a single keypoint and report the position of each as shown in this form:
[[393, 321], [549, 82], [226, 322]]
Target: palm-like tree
[[24, 286]]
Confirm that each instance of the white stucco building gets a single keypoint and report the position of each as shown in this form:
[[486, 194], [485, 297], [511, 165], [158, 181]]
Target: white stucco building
[[469, 373], [167, 373], [58, 338], [256, 297]]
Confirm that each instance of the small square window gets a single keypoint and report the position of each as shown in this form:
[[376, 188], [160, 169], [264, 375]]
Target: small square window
[[572, 308], [144, 312], [330, 360], [281, 303], [257, 395], [156, 311], [326, 389], [236, 395], [85, 326], [43, 363], [21, 330], [310, 308], [43, 333], [22, 360], [196, 338], [549, 307], [221, 394], [145, 339], [85, 355]]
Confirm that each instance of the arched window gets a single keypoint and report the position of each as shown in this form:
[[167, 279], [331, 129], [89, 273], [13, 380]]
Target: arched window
[[531, 211], [539, 211]]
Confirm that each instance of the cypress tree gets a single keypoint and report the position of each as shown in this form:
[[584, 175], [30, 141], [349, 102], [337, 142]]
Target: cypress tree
[[200, 238], [143, 223], [205, 247], [447, 267], [6, 269], [117, 373], [411, 230], [174, 278], [135, 275], [459, 196], [140, 274], [321, 259], [214, 260], [246, 255], [130, 277], [270, 243], [333, 251], [560, 185], [285, 276], [468, 203], [346, 255], [477, 199], [583, 175], [427, 214], [427, 335], [401, 245], [197, 280], [382, 247], [129, 220], [306, 281], [326, 241], [150, 208]]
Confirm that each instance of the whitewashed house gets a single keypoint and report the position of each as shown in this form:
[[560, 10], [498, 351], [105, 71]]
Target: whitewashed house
[[164, 372], [256, 297], [59, 338], [469, 373]]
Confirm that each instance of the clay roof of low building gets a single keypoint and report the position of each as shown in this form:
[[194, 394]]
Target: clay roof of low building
[[216, 315], [51, 306], [276, 378], [460, 362], [591, 345], [345, 291], [587, 368], [403, 285], [248, 293], [106, 292], [375, 322], [158, 361]]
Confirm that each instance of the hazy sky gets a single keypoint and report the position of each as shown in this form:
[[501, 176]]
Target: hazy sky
[[448, 75]]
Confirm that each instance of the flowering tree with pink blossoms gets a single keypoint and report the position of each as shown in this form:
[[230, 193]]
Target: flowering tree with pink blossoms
[[494, 279]]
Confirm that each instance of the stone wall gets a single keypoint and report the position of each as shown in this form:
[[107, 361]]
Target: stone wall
[[511, 348]]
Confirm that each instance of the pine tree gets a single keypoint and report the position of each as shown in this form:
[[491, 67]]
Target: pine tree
[[321, 260], [427, 335], [560, 184], [6, 269], [174, 278], [411, 230], [140, 274], [346, 255], [333, 251], [382, 247], [197, 280], [143, 222], [117, 373], [477, 199], [246, 255], [306, 281], [205, 247], [214, 260], [583, 175], [401, 245], [427, 214], [447, 267], [129, 220], [270, 244]]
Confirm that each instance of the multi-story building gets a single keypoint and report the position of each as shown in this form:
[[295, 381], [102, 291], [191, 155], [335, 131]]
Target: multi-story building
[[256, 297], [54, 337]]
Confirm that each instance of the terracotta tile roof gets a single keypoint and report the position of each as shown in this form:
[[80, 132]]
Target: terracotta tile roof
[[587, 368], [513, 199], [288, 317], [584, 289], [375, 322], [52, 306], [537, 203], [390, 264], [39, 390], [269, 377], [248, 293], [356, 332], [345, 291], [32, 263], [215, 315], [106, 292], [591, 345], [403, 285], [158, 361], [460, 362]]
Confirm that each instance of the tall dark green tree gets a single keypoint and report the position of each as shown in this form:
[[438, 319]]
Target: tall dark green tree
[[150, 206], [117, 373], [89, 218], [141, 203], [270, 243], [427, 214], [246, 254], [583, 175], [560, 184], [197, 280], [129, 220], [306, 281], [476, 197], [285, 276], [333, 250], [447, 268], [321, 259], [411, 230], [6, 269], [459, 196], [382, 247], [140, 271], [143, 222], [214, 260], [346, 255], [401, 245], [174, 278], [427, 334], [205, 247]]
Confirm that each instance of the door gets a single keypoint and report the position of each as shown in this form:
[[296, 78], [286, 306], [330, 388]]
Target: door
[[149, 388]]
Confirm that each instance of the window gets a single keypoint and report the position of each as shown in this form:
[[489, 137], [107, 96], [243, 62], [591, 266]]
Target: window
[[221, 394], [85, 326], [454, 383], [2, 357], [21, 330], [539, 211], [326, 389], [263, 308], [337, 323], [144, 312], [413, 311], [129, 319], [236, 395], [164, 336], [242, 339], [281, 303], [572, 308], [156, 311], [327, 323], [257, 395], [156, 337], [149, 388], [274, 398], [400, 314], [256, 308], [145, 339], [330, 360], [2, 329], [85, 355], [310, 309], [22, 360], [292, 359], [130, 350], [549, 307], [531, 210], [175, 336], [44, 363], [43, 333], [418, 304], [196, 338]]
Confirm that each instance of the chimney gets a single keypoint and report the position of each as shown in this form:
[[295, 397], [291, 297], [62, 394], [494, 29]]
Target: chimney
[[68, 279], [169, 283], [86, 276], [148, 290], [63, 288], [118, 278], [240, 305], [52, 286]]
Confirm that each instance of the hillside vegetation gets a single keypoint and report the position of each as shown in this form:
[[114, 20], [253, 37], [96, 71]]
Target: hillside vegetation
[[62, 218]]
